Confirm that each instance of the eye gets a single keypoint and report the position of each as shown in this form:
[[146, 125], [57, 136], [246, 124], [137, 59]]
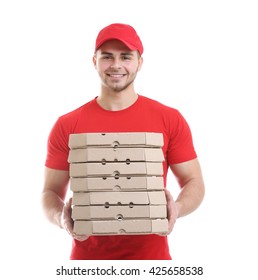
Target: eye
[[107, 57], [126, 57]]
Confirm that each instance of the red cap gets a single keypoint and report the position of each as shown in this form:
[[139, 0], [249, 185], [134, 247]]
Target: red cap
[[122, 32]]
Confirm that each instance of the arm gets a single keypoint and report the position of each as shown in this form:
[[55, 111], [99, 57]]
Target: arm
[[189, 177], [53, 197]]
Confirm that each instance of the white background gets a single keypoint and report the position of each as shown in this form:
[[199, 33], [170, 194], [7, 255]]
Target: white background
[[200, 57]]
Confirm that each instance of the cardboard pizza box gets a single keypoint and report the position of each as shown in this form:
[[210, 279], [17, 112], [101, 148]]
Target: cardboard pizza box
[[119, 212], [149, 139], [119, 198], [113, 227], [117, 184], [116, 169], [120, 154]]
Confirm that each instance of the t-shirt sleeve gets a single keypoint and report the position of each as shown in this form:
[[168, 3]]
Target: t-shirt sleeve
[[180, 146], [57, 148]]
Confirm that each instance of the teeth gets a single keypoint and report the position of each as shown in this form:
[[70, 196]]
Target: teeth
[[116, 75]]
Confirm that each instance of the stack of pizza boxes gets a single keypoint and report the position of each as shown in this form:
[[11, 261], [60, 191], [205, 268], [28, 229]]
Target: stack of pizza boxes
[[117, 183]]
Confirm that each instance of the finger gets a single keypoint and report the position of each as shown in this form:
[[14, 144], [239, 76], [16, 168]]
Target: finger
[[80, 237], [168, 195], [171, 211], [68, 221], [68, 206], [66, 217]]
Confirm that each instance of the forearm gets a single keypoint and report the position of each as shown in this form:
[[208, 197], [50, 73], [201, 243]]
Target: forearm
[[190, 197], [53, 207]]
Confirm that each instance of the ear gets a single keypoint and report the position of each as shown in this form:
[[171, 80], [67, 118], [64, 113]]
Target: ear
[[140, 63], [94, 59]]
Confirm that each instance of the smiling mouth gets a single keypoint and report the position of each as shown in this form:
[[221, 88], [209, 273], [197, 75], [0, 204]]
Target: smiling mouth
[[116, 75]]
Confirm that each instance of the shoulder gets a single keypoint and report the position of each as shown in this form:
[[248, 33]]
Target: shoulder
[[74, 116], [157, 106], [76, 112], [171, 118], [68, 122]]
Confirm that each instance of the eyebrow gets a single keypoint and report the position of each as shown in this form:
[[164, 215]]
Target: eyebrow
[[123, 53]]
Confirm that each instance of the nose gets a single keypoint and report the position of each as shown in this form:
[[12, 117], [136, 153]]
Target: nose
[[115, 64]]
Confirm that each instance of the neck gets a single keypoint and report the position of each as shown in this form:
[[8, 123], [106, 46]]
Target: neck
[[116, 101]]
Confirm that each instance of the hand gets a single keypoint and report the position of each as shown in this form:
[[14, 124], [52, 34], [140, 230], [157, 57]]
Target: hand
[[172, 211], [67, 221]]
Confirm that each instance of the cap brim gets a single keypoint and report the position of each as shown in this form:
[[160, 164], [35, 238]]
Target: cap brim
[[128, 45]]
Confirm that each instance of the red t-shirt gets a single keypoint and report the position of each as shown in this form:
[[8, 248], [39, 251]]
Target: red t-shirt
[[145, 115]]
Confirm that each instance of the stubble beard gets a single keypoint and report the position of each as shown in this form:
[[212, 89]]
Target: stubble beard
[[115, 87]]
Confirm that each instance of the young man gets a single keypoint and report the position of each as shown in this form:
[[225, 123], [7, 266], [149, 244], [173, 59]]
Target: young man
[[118, 108]]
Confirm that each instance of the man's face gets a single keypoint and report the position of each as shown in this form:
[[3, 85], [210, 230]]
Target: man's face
[[117, 65]]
